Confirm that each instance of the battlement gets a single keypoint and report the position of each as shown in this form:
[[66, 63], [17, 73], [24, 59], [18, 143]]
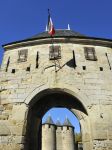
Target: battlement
[[57, 128]]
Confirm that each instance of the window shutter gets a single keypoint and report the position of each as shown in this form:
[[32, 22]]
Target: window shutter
[[22, 55], [90, 53], [54, 52]]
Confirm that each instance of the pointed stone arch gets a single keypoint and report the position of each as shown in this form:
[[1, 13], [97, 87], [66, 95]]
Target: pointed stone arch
[[42, 99], [44, 89]]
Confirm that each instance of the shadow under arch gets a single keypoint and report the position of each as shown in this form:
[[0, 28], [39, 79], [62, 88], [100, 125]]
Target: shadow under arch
[[39, 105]]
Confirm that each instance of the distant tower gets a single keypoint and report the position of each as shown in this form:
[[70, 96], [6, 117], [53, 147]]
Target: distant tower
[[48, 135], [59, 144], [58, 137], [68, 138]]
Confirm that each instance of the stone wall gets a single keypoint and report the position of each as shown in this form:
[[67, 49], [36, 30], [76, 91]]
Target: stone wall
[[91, 86]]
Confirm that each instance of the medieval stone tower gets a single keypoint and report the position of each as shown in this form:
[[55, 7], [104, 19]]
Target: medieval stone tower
[[74, 72], [57, 136]]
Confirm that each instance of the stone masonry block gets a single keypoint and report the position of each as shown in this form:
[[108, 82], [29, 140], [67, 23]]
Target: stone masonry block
[[4, 129]]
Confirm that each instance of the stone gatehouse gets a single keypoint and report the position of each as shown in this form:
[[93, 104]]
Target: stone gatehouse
[[75, 72]]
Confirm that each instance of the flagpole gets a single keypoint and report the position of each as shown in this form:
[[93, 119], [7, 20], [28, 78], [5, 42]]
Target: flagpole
[[53, 51], [51, 31]]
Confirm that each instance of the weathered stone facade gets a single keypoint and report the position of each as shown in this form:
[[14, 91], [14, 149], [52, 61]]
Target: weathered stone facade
[[23, 91]]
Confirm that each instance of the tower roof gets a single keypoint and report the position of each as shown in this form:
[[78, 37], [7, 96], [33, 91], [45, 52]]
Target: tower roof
[[58, 33], [62, 33], [49, 120], [58, 123], [67, 122]]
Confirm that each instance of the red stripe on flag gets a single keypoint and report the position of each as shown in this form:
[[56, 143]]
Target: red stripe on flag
[[51, 29]]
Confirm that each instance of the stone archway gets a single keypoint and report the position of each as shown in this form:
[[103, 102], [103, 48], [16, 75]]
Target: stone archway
[[41, 103]]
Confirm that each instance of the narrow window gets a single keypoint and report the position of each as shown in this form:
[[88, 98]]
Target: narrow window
[[22, 55], [7, 64], [28, 69], [67, 128], [13, 70], [74, 60], [54, 52], [101, 68], [37, 58], [90, 53], [108, 60], [84, 67]]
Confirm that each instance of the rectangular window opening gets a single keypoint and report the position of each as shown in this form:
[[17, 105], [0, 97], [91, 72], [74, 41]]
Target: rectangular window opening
[[28, 69], [101, 68], [90, 53], [22, 55], [67, 127], [54, 52], [84, 67], [13, 71]]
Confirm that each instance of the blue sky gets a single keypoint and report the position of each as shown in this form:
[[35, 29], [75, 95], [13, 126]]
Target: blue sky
[[60, 114], [20, 19]]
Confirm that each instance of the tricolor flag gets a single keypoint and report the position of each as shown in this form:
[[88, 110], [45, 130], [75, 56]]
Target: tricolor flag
[[51, 29]]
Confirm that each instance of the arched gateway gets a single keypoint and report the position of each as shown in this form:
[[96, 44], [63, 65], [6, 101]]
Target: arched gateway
[[73, 72], [41, 103]]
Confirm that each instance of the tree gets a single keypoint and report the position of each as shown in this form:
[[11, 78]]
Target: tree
[[78, 137]]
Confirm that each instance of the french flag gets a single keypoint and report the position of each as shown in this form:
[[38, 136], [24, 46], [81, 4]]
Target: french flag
[[51, 29]]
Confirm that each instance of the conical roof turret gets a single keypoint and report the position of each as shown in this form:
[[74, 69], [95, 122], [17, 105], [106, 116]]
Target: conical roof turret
[[67, 122], [58, 123], [49, 120]]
